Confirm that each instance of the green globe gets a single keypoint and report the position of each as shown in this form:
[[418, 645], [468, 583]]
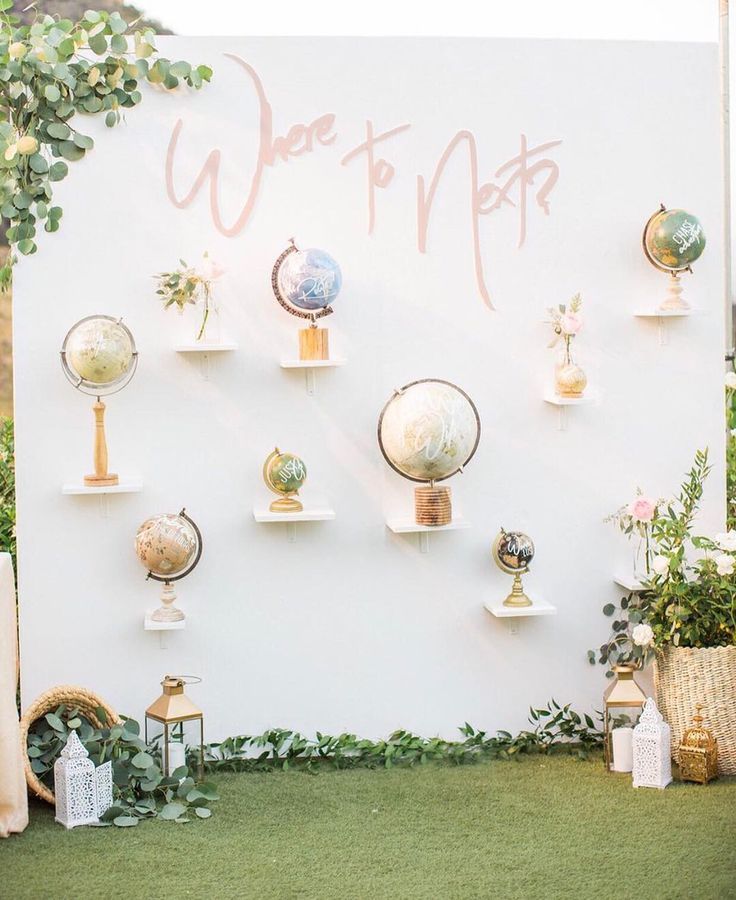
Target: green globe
[[673, 239], [284, 473]]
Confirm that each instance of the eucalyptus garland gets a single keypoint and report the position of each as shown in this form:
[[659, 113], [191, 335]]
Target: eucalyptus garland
[[51, 71]]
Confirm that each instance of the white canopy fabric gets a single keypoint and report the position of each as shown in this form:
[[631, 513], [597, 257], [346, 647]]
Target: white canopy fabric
[[13, 791]]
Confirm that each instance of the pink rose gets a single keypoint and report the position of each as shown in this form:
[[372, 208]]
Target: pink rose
[[571, 323], [209, 270], [642, 509]]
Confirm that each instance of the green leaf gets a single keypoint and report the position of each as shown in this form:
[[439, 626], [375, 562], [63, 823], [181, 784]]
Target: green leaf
[[52, 93], [98, 44], [142, 760], [53, 720], [118, 43], [203, 812], [125, 821], [58, 130], [111, 119], [172, 811], [58, 171], [70, 151], [609, 609], [38, 164], [74, 723], [180, 69], [83, 141]]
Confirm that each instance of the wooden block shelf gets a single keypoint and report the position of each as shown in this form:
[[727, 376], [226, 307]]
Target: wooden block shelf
[[556, 400]]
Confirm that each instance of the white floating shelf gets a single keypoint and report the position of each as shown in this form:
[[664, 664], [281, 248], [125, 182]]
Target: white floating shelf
[[407, 525], [126, 486], [655, 313], [311, 363], [220, 347], [556, 400], [309, 514], [539, 607], [151, 624], [629, 582]]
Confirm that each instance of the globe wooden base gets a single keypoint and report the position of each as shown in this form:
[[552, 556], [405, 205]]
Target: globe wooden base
[[101, 480], [286, 504], [432, 506], [673, 300], [167, 612], [314, 343]]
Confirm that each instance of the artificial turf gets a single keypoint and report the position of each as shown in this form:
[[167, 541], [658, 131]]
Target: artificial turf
[[539, 827]]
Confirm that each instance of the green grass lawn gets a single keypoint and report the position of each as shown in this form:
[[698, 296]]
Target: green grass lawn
[[540, 827]]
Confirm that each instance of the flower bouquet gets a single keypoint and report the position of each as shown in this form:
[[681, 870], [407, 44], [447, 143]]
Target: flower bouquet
[[191, 286], [570, 379]]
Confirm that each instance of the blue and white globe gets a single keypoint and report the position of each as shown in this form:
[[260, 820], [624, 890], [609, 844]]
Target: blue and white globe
[[309, 279]]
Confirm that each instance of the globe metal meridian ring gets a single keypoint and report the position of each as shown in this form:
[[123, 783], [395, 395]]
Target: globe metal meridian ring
[[400, 391], [88, 387]]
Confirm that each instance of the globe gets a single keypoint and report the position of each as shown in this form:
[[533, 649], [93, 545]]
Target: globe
[[673, 239], [429, 430], [167, 545], [100, 351], [284, 473], [309, 279], [513, 551]]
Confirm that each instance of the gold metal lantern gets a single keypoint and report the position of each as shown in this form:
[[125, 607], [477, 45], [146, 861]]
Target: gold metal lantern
[[174, 710], [623, 694], [698, 752]]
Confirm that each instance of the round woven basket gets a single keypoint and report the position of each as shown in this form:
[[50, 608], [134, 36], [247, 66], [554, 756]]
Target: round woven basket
[[74, 697], [686, 676]]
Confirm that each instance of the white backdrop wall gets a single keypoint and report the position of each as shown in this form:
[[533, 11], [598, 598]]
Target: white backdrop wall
[[351, 627]]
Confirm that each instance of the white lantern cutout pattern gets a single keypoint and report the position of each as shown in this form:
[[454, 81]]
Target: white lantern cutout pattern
[[651, 750], [83, 792]]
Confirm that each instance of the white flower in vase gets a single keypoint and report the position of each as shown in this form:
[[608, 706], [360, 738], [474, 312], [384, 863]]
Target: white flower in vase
[[642, 635], [660, 565]]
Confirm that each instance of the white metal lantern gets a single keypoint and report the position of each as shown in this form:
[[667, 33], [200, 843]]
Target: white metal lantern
[[652, 765], [82, 791]]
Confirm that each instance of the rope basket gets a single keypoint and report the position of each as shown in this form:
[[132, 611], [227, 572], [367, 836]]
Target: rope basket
[[686, 676], [74, 698]]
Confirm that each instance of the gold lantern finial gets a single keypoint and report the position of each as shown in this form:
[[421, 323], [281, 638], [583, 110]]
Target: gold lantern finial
[[698, 751]]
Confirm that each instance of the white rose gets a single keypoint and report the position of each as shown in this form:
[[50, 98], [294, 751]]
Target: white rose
[[730, 380], [661, 564], [642, 635], [725, 564], [726, 541]]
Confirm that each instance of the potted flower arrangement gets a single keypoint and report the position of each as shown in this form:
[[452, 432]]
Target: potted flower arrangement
[[684, 621], [635, 520], [190, 286], [570, 379]]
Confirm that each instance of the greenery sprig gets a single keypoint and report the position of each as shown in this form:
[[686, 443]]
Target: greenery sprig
[[51, 71], [554, 727], [7, 490]]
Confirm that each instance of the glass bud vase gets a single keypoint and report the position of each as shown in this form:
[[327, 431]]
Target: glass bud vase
[[570, 380], [642, 557], [208, 321]]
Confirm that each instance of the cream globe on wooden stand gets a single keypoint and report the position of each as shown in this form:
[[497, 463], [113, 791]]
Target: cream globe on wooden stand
[[169, 546], [428, 431], [306, 283], [99, 357]]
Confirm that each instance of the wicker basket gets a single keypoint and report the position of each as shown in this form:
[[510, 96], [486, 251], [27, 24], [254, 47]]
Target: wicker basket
[[685, 676], [75, 697]]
